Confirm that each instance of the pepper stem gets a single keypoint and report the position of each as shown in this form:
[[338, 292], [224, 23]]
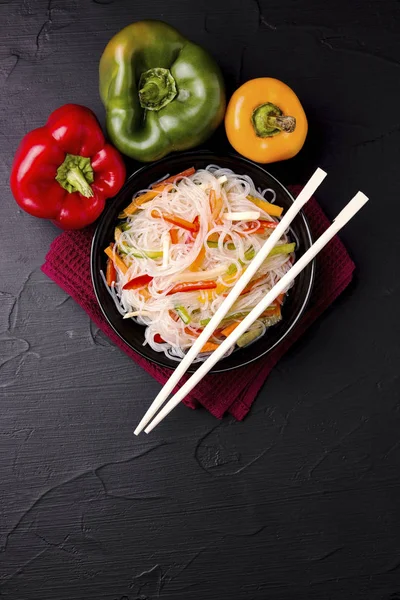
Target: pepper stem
[[75, 174], [76, 178], [268, 120], [157, 88]]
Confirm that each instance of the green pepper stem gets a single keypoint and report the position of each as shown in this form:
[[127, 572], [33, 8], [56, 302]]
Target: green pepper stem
[[268, 120], [149, 92], [157, 88], [76, 178]]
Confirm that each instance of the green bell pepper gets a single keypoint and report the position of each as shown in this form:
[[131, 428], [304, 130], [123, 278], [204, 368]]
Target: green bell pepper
[[161, 92]]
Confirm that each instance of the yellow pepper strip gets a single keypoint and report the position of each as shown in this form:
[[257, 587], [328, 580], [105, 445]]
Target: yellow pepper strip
[[206, 295], [270, 209], [198, 262], [117, 260]]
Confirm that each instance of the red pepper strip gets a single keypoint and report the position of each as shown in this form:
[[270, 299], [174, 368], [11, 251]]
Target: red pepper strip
[[263, 225], [178, 177], [158, 339], [177, 221], [111, 272], [196, 222], [137, 282], [65, 171], [192, 287]]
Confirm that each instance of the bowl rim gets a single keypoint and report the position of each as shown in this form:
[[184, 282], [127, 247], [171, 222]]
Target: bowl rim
[[216, 369]]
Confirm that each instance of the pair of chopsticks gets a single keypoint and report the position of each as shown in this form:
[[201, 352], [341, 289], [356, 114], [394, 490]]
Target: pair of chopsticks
[[340, 221]]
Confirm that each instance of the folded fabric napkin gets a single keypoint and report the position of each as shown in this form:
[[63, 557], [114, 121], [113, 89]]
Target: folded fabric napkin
[[68, 264]]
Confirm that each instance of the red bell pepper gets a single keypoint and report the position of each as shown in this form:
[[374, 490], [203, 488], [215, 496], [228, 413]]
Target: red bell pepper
[[192, 286], [137, 282], [64, 171], [111, 272], [158, 339], [263, 225]]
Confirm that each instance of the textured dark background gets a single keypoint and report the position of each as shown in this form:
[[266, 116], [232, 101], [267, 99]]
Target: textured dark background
[[300, 501]]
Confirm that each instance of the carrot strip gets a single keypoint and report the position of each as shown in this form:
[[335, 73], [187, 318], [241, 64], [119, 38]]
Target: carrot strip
[[280, 298], [181, 175], [209, 347], [228, 330], [174, 236], [174, 220], [111, 273], [146, 197], [216, 205], [117, 260]]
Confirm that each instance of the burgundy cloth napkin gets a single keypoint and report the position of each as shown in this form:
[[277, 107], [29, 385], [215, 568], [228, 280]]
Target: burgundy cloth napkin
[[68, 264]]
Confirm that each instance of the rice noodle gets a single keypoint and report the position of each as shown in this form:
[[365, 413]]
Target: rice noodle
[[144, 241]]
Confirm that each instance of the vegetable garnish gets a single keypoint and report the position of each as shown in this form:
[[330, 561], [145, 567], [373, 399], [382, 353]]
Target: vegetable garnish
[[265, 121], [183, 314], [282, 249], [137, 282], [65, 171], [161, 91]]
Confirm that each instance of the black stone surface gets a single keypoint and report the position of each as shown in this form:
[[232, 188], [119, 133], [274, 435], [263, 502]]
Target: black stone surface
[[301, 500]]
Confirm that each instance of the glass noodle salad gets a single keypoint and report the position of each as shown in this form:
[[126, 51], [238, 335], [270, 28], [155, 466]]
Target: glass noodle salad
[[180, 247]]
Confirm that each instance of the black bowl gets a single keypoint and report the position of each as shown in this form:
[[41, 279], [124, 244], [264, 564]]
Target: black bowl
[[132, 333]]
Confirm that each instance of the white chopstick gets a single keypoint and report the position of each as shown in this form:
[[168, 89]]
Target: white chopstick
[[305, 194], [343, 217]]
